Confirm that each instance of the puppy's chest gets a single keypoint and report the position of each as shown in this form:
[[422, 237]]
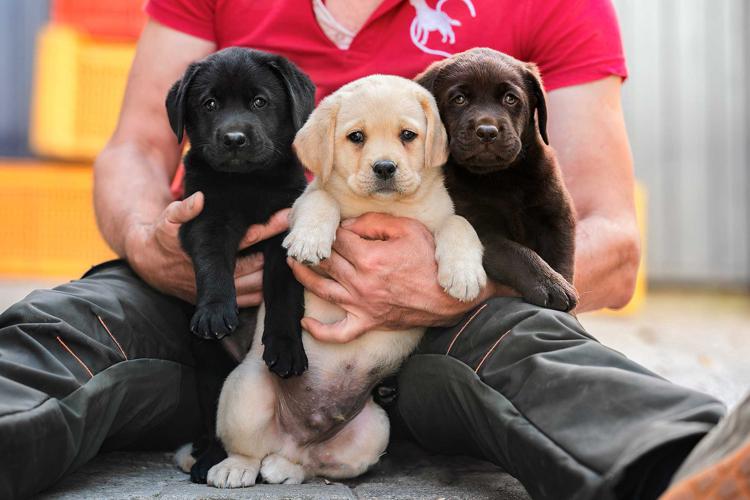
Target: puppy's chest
[[496, 210], [242, 197]]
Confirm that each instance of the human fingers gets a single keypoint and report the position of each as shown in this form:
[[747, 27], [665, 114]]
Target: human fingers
[[339, 332], [248, 264], [325, 288], [249, 283], [376, 226], [250, 299], [179, 212], [338, 268], [277, 224]]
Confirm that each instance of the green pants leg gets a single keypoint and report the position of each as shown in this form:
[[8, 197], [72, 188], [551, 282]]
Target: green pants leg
[[102, 362], [530, 390]]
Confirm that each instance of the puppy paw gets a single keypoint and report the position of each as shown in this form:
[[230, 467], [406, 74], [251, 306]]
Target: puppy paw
[[309, 245], [215, 320], [554, 292], [235, 471], [184, 458], [284, 355], [386, 393], [212, 456], [276, 469], [462, 279]]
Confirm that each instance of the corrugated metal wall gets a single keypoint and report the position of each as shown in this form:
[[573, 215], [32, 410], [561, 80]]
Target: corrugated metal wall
[[687, 109]]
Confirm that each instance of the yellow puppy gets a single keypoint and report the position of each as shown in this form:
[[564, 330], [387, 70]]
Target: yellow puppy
[[376, 145]]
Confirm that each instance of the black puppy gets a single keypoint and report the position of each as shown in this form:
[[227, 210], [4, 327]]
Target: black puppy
[[502, 176], [241, 109]]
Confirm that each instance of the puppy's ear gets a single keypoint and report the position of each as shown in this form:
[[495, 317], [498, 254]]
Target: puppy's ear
[[314, 143], [299, 87], [177, 100], [534, 84], [436, 139], [429, 76]]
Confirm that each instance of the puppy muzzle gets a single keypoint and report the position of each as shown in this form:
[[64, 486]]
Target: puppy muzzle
[[384, 169]]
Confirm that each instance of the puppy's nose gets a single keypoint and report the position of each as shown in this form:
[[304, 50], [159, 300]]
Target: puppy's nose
[[384, 169], [487, 133], [234, 140]]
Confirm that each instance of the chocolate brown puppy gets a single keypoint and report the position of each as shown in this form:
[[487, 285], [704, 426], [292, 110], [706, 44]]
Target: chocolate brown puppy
[[501, 174]]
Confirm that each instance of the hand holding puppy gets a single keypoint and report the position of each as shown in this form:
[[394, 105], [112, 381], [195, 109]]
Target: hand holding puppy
[[383, 273], [155, 253]]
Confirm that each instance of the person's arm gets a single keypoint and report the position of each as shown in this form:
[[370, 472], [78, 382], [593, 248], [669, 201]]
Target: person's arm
[[134, 208], [387, 278], [133, 173], [587, 130]]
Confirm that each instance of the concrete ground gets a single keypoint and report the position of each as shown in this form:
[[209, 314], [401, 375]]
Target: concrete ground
[[700, 340]]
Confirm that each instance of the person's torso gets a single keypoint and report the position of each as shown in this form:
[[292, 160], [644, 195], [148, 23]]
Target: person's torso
[[401, 37]]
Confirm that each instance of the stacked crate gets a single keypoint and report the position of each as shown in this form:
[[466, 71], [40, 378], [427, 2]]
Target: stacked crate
[[81, 64]]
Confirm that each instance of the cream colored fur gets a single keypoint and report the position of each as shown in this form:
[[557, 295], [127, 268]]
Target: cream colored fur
[[251, 418]]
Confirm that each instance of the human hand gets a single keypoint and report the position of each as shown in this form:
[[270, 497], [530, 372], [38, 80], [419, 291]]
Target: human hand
[[155, 253], [382, 272]]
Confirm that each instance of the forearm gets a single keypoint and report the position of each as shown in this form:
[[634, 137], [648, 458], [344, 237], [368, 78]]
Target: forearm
[[132, 175], [587, 130], [606, 263], [131, 189]]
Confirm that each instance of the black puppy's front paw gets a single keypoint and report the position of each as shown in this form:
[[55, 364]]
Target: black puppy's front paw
[[284, 355], [214, 320], [212, 456], [554, 292]]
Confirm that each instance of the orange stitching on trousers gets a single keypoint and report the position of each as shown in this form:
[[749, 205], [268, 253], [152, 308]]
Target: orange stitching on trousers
[[112, 337], [487, 354], [74, 355], [463, 328]]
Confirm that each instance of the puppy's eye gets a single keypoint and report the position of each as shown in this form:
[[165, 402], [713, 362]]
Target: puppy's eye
[[259, 102], [408, 135], [357, 137], [210, 104], [459, 100], [510, 99]]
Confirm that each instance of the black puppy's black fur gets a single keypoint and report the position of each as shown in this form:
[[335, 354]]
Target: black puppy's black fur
[[240, 109], [501, 175]]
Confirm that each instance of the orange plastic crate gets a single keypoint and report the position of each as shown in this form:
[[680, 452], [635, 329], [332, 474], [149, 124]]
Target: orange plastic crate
[[47, 222], [111, 19], [78, 88]]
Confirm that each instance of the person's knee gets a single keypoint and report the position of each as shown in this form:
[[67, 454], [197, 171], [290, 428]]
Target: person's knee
[[431, 377], [42, 306], [436, 402], [499, 324]]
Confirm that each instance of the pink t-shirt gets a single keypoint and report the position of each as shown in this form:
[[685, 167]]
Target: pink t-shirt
[[572, 41]]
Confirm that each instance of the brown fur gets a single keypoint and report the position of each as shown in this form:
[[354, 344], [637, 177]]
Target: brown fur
[[508, 186]]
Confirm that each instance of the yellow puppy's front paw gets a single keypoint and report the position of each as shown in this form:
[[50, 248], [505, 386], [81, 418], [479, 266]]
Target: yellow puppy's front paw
[[234, 471], [462, 279], [309, 245], [276, 469]]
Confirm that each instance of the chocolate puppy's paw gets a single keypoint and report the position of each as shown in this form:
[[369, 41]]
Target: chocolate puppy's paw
[[284, 355], [212, 456], [215, 320], [553, 291]]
